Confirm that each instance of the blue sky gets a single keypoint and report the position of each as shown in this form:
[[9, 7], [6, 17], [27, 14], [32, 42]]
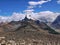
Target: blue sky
[[7, 7]]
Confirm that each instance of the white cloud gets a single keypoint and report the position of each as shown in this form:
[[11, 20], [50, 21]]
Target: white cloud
[[14, 17], [35, 3], [48, 15], [4, 19], [42, 16], [17, 16], [28, 10], [58, 1]]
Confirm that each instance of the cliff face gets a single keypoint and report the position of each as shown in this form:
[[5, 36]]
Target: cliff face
[[32, 32]]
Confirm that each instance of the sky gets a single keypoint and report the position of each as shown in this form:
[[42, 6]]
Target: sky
[[16, 8]]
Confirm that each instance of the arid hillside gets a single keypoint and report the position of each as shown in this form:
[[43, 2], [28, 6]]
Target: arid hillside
[[31, 31]]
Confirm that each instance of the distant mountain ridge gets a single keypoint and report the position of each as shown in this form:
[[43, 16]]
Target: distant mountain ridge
[[56, 23]]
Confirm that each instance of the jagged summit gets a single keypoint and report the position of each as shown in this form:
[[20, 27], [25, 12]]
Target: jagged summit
[[26, 18]]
